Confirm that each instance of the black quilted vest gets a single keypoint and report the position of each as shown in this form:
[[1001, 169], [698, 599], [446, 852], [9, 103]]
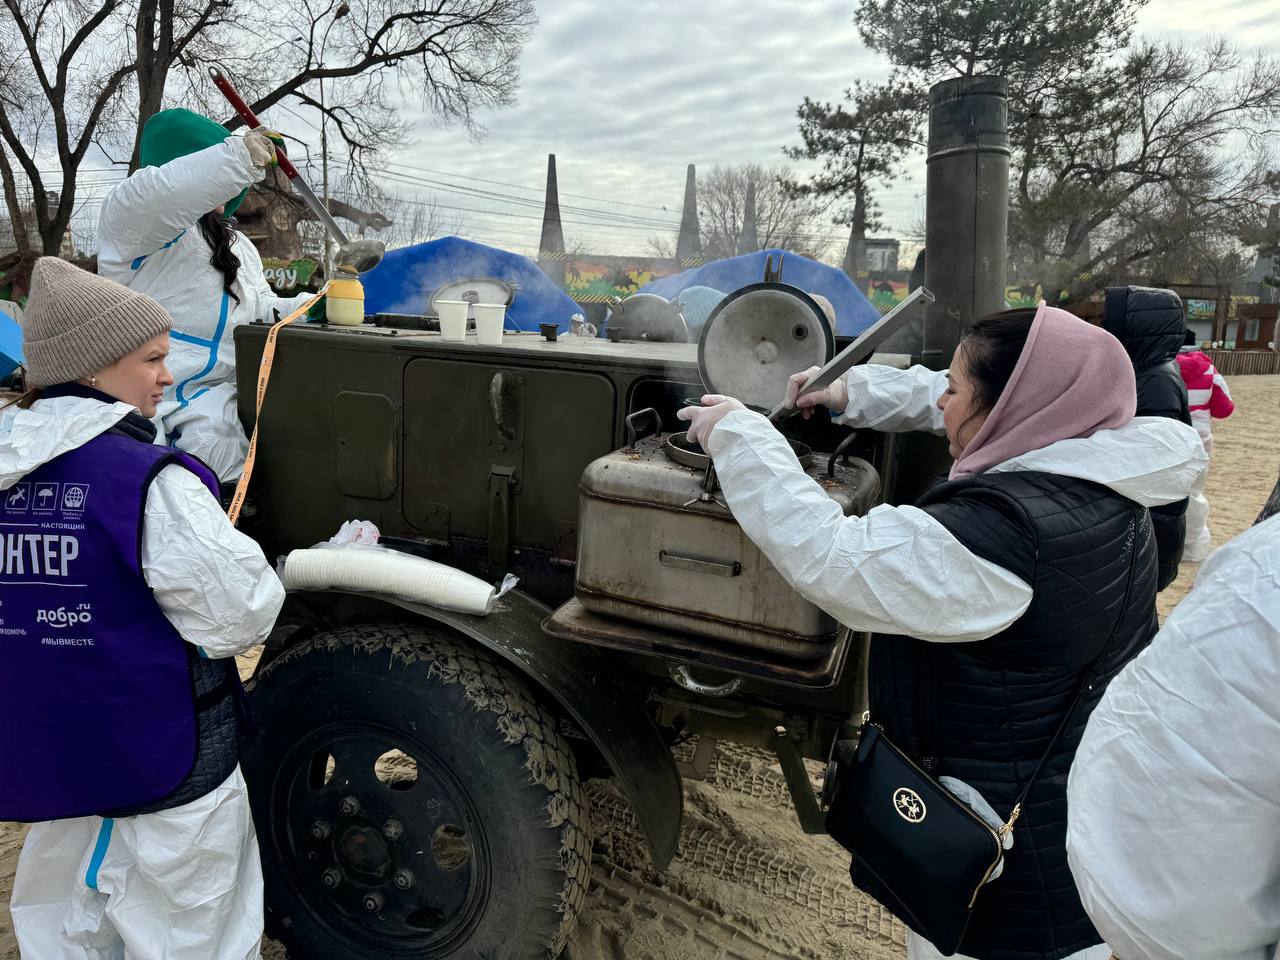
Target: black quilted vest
[[985, 712]]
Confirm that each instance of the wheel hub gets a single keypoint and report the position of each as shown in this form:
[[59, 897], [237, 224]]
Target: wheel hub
[[364, 854], [405, 862]]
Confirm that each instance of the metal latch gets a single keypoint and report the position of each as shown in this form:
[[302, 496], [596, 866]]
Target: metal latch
[[501, 483]]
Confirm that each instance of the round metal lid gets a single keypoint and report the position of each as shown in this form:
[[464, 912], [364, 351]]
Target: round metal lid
[[474, 290], [757, 338], [647, 316]]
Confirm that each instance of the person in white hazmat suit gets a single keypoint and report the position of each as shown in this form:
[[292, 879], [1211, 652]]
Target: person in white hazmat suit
[[166, 232], [993, 600], [1174, 802], [119, 700]]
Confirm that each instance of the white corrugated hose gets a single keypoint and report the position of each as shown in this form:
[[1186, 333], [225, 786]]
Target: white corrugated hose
[[385, 571]]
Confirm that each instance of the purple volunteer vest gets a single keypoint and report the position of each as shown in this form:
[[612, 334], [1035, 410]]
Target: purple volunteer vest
[[97, 710]]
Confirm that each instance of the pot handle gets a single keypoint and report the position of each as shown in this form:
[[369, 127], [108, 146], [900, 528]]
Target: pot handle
[[841, 450], [634, 421], [684, 678]]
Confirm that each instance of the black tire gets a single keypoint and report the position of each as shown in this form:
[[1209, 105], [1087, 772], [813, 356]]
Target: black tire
[[482, 805]]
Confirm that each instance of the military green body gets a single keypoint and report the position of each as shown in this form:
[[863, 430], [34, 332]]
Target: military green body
[[476, 453]]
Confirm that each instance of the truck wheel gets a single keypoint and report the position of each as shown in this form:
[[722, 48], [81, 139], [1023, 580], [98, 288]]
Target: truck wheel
[[412, 799]]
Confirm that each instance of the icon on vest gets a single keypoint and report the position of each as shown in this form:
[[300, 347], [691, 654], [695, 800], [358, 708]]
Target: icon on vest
[[18, 497], [908, 804], [74, 496], [46, 497]]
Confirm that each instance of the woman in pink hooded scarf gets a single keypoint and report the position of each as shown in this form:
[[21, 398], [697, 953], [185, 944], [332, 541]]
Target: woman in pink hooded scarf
[[1009, 593]]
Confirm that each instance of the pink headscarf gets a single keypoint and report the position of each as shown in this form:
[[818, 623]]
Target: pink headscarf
[[1071, 380]]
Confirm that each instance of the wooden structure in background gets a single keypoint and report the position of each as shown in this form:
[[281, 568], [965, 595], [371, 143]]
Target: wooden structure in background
[[1256, 326], [271, 213]]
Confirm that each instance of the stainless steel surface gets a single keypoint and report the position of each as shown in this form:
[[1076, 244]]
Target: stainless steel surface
[[474, 290], [758, 337], [819, 669], [682, 451], [646, 316], [640, 497], [861, 348], [358, 256]]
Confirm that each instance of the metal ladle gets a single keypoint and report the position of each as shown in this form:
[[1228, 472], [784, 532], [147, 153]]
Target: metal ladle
[[358, 256]]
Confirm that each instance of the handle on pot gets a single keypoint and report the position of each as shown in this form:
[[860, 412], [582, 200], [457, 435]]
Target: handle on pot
[[719, 568], [841, 448], [684, 678], [634, 420]]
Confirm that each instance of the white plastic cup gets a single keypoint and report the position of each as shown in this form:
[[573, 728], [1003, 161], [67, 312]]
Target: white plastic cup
[[453, 319], [490, 318]]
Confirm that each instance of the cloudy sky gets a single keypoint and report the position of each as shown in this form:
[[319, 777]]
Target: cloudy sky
[[625, 95]]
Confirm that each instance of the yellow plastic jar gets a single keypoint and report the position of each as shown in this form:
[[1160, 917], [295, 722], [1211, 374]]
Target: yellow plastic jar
[[345, 306]]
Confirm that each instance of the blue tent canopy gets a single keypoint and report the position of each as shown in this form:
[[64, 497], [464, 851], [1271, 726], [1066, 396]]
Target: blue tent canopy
[[854, 312], [405, 279]]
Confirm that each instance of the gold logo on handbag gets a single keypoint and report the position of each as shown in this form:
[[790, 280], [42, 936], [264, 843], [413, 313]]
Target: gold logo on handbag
[[909, 805]]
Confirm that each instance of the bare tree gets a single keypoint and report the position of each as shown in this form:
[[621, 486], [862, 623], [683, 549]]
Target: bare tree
[[782, 218], [1176, 161], [417, 221], [661, 247], [61, 80], [78, 73]]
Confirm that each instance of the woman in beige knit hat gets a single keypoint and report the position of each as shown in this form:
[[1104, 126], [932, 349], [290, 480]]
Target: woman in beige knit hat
[[127, 594]]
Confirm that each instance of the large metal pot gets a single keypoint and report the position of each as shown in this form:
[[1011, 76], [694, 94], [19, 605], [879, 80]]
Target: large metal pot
[[685, 452]]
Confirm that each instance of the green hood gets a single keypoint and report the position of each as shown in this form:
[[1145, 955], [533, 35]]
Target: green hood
[[175, 133]]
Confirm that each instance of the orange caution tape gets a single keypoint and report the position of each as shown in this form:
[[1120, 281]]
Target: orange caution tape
[[264, 375]]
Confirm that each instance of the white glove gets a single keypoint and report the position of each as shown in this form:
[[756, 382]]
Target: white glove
[[703, 419], [835, 397], [260, 142]]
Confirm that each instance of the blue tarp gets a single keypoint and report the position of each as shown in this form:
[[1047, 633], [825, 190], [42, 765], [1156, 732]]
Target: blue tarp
[[10, 344], [854, 312], [404, 280]]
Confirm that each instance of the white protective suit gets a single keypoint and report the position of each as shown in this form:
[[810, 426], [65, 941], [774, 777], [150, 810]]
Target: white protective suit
[[148, 240], [1173, 830], [186, 883], [898, 570]]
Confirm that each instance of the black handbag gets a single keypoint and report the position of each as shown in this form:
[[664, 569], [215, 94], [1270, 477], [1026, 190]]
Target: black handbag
[[926, 850]]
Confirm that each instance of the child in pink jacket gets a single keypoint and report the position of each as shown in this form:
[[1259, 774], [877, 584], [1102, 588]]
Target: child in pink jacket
[[1210, 400]]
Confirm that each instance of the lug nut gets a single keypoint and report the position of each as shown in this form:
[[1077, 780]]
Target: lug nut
[[331, 878], [320, 830], [393, 829], [373, 902], [403, 879], [349, 806]]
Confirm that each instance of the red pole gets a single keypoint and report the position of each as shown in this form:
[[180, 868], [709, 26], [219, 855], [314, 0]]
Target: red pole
[[248, 116]]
